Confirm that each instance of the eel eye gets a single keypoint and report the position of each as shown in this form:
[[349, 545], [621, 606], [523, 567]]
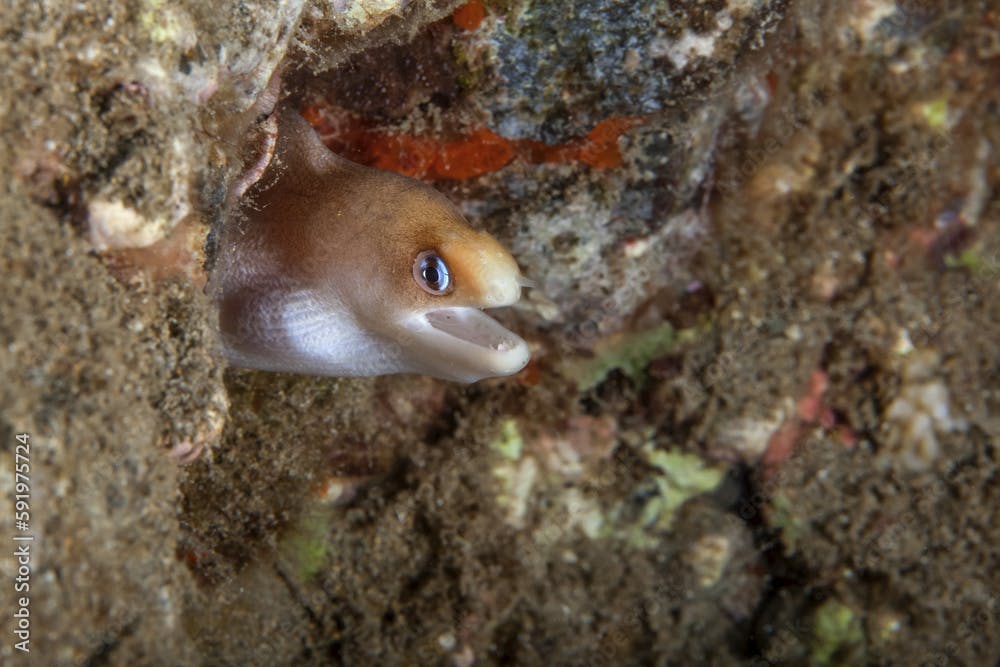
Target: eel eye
[[431, 273]]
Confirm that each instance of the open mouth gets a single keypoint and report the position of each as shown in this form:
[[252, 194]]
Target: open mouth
[[465, 344], [473, 326]]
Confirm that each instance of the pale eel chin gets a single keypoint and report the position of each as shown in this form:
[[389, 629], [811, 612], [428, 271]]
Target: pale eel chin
[[325, 267], [463, 343]]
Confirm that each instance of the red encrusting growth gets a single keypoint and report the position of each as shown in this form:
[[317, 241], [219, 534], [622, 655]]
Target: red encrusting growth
[[599, 148], [469, 15], [810, 410], [478, 152]]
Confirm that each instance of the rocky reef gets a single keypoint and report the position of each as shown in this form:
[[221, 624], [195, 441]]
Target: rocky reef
[[760, 423]]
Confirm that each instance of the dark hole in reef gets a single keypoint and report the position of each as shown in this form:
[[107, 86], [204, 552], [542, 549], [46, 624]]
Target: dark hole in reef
[[386, 83], [565, 242]]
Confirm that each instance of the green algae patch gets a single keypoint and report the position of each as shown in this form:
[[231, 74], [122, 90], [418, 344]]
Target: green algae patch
[[836, 629], [515, 474], [972, 260], [673, 479], [306, 545], [935, 113], [510, 444], [630, 353], [782, 515], [680, 478]]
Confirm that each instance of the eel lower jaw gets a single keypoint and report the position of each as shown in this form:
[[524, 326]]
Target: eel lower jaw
[[464, 344]]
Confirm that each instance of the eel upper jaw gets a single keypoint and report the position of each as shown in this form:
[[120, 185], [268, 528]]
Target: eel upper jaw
[[464, 344]]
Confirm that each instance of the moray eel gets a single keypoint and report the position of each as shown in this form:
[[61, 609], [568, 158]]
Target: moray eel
[[326, 267]]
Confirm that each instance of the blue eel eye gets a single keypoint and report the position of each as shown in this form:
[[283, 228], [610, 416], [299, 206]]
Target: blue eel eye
[[431, 273]]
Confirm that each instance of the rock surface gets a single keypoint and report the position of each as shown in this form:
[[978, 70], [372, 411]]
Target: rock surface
[[761, 423]]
